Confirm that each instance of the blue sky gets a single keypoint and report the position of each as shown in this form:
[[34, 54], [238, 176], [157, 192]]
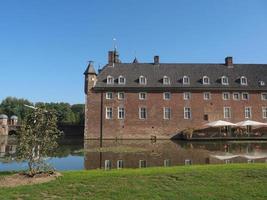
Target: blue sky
[[45, 45]]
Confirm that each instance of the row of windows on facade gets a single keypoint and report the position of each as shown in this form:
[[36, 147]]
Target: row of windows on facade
[[142, 163], [188, 96], [143, 113], [186, 80], [166, 163]]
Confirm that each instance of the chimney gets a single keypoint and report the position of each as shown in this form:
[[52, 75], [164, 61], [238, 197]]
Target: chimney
[[111, 57], [156, 60], [229, 61], [116, 57]]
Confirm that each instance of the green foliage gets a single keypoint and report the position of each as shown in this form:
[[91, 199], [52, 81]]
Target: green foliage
[[209, 182], [37, 139], [78, 110], [14, 106], [66, 113]]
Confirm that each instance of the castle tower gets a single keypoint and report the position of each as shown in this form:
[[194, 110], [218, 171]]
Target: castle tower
[[13, 120], [3, 124], [90, 80]]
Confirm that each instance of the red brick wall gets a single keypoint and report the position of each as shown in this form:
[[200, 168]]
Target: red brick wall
[[155, 125], [92, 115]]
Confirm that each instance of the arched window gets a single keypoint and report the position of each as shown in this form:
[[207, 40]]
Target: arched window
[[224, 80], [166, 80], [243, 80], [186, 80], [205, 80], [142, 80], [121, 80], [110, 79]]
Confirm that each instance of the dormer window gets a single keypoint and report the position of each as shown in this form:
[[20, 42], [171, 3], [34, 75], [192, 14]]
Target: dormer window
[[142, 80], [121, 80], [186, 80], [110, 79], [166, 80], [243, 80], [205, 80], [261, 83], [224, 80]]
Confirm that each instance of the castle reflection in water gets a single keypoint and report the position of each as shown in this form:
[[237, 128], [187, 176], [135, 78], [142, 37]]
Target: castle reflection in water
[[146, 153], [76, 153]]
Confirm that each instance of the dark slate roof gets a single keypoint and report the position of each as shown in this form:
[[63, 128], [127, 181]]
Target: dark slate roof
[[154, 74], [90, 68]]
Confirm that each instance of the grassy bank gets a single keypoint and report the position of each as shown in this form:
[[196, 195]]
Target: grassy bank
[[233, 181]]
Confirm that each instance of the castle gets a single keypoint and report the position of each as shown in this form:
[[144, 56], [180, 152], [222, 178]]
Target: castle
[[143, 100], [5, 124]]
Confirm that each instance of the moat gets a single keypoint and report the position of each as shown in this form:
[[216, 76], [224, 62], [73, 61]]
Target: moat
[[74, 153]]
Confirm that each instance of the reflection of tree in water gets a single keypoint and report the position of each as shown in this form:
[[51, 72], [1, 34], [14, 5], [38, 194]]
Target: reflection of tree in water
[[67, 146]]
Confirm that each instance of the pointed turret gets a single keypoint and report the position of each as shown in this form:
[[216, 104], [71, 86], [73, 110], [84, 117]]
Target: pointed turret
[[90, 77], [135, 60], [90, 68]]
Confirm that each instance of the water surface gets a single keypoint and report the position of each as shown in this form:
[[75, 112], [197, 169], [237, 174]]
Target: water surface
[[74, 153]]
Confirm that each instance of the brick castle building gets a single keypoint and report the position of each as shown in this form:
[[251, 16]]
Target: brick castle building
[[141, 100]]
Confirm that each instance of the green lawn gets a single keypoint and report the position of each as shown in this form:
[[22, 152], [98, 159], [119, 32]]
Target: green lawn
[[231, 181]]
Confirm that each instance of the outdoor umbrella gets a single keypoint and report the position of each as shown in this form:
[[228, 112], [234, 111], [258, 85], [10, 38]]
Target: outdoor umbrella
[[220, 123], [227, 156], [250, 123]]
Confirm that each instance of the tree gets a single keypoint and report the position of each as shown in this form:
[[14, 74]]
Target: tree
[[78, 110], [66, 113], [14, 106], [37, 139]]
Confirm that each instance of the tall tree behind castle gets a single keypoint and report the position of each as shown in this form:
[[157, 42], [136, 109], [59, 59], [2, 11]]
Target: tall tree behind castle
[[66, 113]]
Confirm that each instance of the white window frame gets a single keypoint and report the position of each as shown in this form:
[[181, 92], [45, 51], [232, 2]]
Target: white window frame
[[119, 80], [166, 80], [107, 95], [228, 112], [120, 97], [144, 80], [261, 83], [262, 96], [164, 97], [165, 111], [140, 113], [184, 82], [186, 111], [204, 97], [229, 96], [245, 80], [243, 96], [264, 112], [109, 110], [248, 112], [224, 82], [140, 95], [121, 110], [234, 96], [205, 78], [110, 78], [187, 95]]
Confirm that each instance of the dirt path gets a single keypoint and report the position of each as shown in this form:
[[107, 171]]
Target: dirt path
[[21, 179]]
